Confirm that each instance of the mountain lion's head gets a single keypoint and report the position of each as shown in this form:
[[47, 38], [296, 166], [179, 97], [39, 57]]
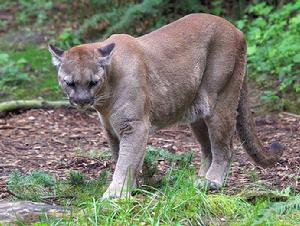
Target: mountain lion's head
[[81, 72]]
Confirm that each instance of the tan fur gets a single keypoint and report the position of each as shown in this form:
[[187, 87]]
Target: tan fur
[[191, 70]]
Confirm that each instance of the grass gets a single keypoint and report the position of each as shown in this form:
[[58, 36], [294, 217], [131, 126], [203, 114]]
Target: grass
[[175, 201]]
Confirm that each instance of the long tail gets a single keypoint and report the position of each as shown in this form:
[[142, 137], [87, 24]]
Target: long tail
[[248, 136]]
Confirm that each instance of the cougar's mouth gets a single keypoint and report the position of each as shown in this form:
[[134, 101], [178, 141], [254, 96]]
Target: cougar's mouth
[[82, 106]]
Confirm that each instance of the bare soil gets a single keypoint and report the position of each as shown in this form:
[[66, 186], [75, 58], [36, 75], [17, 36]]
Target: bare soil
[[57, 141]]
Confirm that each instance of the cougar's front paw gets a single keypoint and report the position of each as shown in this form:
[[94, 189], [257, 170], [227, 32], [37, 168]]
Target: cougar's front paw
[[206, 184], [115, 191]]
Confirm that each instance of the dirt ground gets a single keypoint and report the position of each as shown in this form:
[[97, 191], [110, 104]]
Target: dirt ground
[[56, 141]]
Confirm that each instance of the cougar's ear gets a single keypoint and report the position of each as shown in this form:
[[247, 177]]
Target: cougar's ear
[[106, 54], [57, 54]]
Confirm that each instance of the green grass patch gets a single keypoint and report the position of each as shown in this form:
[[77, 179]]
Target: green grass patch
[[176, 201], [179, 202], [32, 186]]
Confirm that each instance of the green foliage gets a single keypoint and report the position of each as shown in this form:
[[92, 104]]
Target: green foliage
[[13, 72], [133, 13], [28, 69], [272, 212], [137, 17], [34, 10], [273, 49], [67, 39]]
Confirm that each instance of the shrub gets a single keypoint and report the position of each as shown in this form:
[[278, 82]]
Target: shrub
[[274, 50]]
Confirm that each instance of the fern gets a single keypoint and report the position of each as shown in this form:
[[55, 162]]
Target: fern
[[287, 207], [291, 206], [133, 13]]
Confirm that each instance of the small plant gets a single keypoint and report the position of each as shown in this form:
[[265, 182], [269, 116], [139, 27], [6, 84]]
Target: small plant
[[76, 178], [32, 186], [41, 186], [68, 39], [154, 154], [254, 175]]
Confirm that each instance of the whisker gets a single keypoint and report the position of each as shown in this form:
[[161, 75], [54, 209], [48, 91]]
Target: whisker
[[105, 95], [102, 98]]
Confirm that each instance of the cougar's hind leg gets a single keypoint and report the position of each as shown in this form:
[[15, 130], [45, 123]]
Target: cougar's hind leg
[[200, 131], [221, 128], [218, 101]]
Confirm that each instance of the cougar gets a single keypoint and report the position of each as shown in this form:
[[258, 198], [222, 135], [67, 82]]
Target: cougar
[[191, 70]]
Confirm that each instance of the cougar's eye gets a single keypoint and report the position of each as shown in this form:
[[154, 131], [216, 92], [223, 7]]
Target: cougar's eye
[[70, 83], [93, 83]]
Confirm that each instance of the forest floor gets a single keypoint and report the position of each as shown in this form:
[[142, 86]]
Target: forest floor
[[58, 141]]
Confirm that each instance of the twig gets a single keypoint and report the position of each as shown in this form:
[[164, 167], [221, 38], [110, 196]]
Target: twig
[[53, 197], [290, 114]]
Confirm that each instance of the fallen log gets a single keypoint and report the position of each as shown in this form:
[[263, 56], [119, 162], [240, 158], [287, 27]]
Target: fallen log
[[30, 104], [28, 212]]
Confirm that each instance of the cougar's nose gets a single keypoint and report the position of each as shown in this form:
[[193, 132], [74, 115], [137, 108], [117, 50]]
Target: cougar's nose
[[84, 101]]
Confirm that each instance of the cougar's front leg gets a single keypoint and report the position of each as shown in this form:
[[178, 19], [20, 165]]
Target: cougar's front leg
[[114, 144], [133, 135], [112, 138]]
